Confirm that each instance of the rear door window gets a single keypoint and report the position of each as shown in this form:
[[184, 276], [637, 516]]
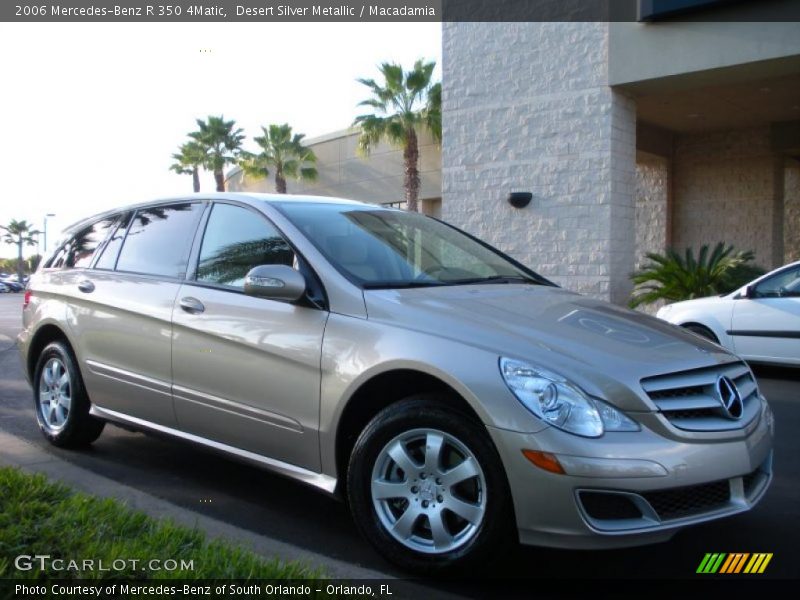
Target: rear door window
[[159, 239]]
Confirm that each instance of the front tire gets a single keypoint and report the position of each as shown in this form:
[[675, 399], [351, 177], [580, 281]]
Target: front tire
[[60, 399], [427, 488]]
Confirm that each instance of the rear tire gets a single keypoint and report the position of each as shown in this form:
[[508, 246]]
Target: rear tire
[[702, 331], [60, 399], [428, 490]]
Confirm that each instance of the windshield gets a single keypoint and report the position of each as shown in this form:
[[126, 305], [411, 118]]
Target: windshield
[[386, 248]]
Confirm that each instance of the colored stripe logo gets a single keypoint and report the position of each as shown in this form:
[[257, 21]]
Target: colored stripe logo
[[734, 562]]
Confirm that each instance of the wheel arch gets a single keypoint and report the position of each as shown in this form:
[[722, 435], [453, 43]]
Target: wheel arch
[[715, 316], [45, 334], [382, 390], [695, 323], [710, 323]]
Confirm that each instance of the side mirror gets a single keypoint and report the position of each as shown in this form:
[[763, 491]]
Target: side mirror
[[276, 282], [750, 291]]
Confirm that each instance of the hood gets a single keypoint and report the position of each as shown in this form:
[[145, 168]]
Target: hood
[[593, 343]]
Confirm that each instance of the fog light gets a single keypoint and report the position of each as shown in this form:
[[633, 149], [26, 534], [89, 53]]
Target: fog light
[[544, 460]]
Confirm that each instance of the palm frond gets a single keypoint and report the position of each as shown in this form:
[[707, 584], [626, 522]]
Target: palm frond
[[281, 151], [401, 101], [218, 141], [673, 276]]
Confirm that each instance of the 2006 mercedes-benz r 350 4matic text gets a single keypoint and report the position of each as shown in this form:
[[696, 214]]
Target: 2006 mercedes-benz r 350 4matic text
[[455, 398]]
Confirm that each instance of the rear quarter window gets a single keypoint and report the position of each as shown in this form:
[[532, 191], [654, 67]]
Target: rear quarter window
[[79, 250]]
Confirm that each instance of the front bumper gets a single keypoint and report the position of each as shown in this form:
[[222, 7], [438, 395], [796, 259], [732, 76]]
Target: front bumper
[[628, 489]]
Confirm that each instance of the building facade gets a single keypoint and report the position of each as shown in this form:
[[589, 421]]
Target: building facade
[[632, 137], [376, 178]]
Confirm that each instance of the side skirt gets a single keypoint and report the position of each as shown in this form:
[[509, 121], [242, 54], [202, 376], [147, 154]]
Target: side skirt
[[320, 481]]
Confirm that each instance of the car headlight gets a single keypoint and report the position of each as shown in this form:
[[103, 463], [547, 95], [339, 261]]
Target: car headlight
[[560, 403]]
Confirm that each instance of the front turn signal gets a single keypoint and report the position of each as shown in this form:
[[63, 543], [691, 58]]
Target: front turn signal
[[545, 461]]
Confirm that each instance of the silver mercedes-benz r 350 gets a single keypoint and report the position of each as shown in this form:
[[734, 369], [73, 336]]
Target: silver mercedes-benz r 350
[[454, 398]]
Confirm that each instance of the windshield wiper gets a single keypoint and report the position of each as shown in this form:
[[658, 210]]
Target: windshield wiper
[[393, 285], [390, 285], [494, 279]]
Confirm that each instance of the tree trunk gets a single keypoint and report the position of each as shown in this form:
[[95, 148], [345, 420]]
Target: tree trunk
[[20, 264], [411, 179], [219, 177], [195, 180], [280, 182]]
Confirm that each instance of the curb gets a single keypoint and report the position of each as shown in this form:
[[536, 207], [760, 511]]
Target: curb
[[17, 452]]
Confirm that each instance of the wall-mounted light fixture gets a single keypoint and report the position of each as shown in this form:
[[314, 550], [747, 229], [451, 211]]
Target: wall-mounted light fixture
[[520, 199]]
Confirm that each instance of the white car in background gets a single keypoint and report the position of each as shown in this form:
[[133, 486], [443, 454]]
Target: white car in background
[[760, 321]]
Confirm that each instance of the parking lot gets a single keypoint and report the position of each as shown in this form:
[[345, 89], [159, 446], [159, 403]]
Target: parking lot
[[267, 504]]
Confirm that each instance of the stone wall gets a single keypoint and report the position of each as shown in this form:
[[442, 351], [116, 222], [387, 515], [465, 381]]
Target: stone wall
[[541, 118], [651, 207], [724, 191], [791, 224]]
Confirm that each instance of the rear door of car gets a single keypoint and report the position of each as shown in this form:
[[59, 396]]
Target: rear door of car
[[246, 370], [766, 326], [122, 309]]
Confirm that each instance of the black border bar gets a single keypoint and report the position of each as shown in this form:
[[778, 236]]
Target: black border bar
[[396, 10]]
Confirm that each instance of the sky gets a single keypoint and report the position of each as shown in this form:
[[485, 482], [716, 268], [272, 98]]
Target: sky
[[93, 112]]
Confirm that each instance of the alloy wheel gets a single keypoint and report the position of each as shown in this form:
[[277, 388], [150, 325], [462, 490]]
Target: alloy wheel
[[55, 394], [429, 491]]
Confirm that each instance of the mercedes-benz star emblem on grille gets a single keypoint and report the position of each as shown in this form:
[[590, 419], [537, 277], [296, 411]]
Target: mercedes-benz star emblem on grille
[[729, 397]]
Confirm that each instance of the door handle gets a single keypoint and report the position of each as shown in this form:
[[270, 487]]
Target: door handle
[[191, 305], [86, 286]]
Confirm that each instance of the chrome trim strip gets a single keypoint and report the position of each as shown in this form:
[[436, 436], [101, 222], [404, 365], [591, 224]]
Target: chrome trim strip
[[123, 376], [318, 480], [687, 402], [750, 413], [612, 468], [236, 408], [693, 378]]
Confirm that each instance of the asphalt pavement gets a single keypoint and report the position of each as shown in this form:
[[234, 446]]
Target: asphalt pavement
[[268, 505]]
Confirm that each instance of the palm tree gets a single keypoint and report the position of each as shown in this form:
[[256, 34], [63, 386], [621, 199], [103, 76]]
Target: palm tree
[[284, 152], [188, 160], [673, 277], [222, 144], [22, 234], [404, 104]]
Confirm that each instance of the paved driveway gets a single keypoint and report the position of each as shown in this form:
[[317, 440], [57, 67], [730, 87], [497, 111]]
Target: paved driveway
[[267, 504]]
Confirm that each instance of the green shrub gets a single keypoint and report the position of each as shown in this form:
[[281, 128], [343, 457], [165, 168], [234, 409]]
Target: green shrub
[[675, 277]]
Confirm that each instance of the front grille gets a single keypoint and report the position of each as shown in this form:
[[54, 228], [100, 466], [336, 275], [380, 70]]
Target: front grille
[[701, 413], [688, 501], [609, 506], [677, 393], [689, 401]]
